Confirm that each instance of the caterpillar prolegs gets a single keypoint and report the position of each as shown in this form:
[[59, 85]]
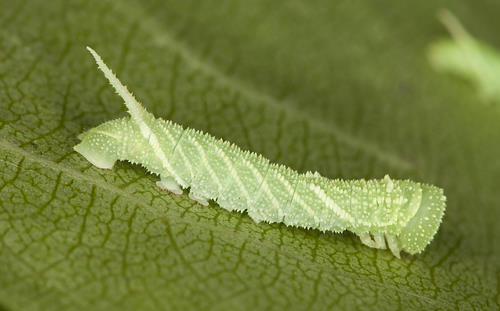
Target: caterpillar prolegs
[[384, 213]]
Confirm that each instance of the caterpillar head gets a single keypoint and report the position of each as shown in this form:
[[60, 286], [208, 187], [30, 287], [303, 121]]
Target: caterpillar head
[[418, 224], [421, 228]]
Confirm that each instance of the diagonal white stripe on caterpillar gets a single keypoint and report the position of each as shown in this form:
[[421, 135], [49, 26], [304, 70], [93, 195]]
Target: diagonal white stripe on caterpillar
[[401, 215]]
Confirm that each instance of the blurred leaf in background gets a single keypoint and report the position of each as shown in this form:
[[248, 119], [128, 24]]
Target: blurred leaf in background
[[340, 87]]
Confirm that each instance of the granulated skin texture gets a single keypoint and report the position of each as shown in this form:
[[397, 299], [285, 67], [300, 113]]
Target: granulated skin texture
[[384, 213]]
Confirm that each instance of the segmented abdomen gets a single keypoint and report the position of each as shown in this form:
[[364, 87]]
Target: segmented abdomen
[[241, 180], [402, 213]]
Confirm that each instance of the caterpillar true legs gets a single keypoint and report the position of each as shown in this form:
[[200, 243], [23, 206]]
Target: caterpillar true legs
[[382, 241], [384, 213]]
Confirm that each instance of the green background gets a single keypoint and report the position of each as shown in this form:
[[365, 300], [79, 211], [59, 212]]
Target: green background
[[341, 87]]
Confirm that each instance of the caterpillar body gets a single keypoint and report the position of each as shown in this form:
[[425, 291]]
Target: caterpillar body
[[466, 56], [384, 213]]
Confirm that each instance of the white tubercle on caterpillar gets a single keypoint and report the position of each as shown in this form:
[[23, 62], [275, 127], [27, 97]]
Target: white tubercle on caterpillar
[[384, 213]]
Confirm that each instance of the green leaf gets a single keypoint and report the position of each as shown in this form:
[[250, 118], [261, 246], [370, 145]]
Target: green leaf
[[343, 88]]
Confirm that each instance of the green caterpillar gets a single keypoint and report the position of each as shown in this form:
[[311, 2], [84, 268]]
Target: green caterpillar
[[465, 56], [384, 213]]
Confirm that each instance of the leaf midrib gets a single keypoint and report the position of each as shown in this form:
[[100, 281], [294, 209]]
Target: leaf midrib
[[9, 147]]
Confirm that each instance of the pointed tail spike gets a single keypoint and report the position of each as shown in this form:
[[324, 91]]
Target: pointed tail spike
[[453, 25], [135, 109]]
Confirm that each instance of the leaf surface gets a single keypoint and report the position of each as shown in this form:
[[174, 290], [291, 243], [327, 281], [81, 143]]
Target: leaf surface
[[343, 88]]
